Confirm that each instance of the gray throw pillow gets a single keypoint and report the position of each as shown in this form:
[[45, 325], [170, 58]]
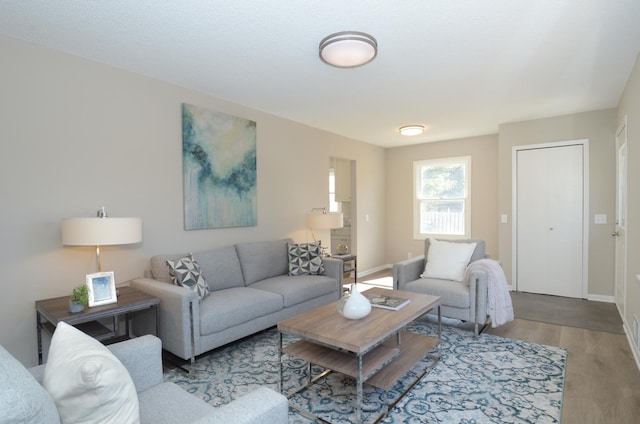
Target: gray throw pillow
[[305, 259], [185, 272]]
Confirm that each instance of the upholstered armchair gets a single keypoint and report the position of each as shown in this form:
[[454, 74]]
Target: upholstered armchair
[[463, 294]]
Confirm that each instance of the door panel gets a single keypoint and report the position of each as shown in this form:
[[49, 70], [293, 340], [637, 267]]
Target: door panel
[[621, 221], [550, 206]]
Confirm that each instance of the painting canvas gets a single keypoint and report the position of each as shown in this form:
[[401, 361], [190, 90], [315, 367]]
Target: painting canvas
[[219, 167]]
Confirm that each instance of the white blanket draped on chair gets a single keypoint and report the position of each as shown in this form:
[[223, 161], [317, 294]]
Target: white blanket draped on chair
[[499, 306]]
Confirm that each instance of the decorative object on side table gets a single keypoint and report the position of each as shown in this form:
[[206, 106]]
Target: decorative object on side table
[[102, 288], [342, 249], [79, 298], [354, 305]]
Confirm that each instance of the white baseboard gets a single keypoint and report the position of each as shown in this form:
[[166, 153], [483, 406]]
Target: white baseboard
[[373, 270], [601, 298], [632, 343]]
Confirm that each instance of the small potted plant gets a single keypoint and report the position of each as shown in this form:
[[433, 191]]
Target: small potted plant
[[79, 298]]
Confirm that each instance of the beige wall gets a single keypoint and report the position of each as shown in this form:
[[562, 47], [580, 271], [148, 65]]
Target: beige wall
[[484, 196], [77, 135], [599, 128], [630, 106]]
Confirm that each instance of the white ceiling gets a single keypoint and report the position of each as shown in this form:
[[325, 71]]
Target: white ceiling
[[459, 67]]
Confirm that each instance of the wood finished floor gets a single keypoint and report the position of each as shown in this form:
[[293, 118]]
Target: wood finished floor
[[602, 381]]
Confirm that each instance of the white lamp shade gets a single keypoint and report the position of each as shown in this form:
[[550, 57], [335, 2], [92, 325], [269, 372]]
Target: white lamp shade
[[101, 231], [325, 221]]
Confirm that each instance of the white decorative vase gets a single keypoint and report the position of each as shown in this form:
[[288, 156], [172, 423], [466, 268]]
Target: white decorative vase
[[355, 306]]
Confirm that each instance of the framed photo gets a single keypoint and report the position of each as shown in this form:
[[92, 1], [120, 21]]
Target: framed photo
[[102, 288]]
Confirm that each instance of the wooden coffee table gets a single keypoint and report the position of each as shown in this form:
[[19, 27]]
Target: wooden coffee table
[[374, 349]]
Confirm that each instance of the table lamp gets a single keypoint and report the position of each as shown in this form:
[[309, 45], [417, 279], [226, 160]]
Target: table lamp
[[101, 231], [319, 219]]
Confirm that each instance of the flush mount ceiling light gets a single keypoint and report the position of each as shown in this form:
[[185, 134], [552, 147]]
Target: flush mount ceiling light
[[348, 49], [410, 130]]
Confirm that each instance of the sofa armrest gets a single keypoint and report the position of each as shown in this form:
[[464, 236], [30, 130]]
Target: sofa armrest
[[407, 270], [142, 357], [179, 312], [334, 269], [260, 406]]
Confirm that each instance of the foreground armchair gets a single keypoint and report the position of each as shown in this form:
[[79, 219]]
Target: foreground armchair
[[23, 399], [461, 298]]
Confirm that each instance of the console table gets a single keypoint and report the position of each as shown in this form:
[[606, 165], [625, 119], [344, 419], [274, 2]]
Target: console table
[[49, 312]]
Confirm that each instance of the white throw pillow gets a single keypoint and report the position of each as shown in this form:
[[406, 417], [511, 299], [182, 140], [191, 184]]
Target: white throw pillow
[[447, 260], [87, 382]]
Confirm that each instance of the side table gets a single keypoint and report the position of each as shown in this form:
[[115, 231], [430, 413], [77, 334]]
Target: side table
[[49, 312], [350, 265]]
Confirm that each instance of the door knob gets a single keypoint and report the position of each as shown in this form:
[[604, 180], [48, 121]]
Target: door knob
[[616, 234]]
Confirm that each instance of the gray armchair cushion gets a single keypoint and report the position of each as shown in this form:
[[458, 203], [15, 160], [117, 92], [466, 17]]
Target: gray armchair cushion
[[262, 260], [167, 403], [452, 293]]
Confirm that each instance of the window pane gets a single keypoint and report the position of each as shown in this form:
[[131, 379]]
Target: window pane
[[442, 181], [442, 217]]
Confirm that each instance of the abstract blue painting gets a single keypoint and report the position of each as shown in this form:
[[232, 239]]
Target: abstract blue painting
[[219, 169]]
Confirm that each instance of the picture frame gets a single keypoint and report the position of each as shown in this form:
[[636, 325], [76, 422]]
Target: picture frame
[[102, 288]]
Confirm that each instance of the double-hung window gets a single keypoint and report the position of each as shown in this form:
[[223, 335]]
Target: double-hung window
[[442, 198]]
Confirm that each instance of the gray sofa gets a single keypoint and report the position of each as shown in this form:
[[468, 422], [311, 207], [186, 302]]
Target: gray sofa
[[250, 291], [459, 300], [24, 400]]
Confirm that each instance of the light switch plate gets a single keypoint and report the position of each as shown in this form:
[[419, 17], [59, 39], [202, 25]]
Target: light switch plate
[[600, 218], [503, 218]]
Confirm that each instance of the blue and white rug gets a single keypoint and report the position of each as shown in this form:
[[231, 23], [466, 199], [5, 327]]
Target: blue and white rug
[[488, 379]]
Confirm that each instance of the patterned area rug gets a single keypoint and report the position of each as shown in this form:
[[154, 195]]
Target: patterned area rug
[[487, 379]]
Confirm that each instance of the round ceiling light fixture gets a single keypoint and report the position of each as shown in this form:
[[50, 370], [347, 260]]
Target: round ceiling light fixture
[[348, 49], [410, 130]]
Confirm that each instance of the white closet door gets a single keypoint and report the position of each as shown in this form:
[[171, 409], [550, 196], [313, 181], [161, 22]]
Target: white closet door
[[550, 204]]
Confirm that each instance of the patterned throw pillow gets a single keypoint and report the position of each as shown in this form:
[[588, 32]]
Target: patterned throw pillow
[[305, 259], [185, 272]]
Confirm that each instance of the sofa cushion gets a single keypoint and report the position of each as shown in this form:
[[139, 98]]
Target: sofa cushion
[[447, 260], [264, 259], [237, 305], [452, 293], [298, 289], [185, 272], [220, 267], [87, 382], [305, 259], [22, 399]]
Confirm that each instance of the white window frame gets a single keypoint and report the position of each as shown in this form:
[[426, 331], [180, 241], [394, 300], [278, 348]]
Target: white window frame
[[417, 200]]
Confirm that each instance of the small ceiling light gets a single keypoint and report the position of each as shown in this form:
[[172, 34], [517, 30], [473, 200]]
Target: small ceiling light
[[410, 130], [348, 49]]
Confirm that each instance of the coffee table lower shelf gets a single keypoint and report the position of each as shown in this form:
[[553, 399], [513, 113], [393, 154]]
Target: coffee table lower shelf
[[382, 367]]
